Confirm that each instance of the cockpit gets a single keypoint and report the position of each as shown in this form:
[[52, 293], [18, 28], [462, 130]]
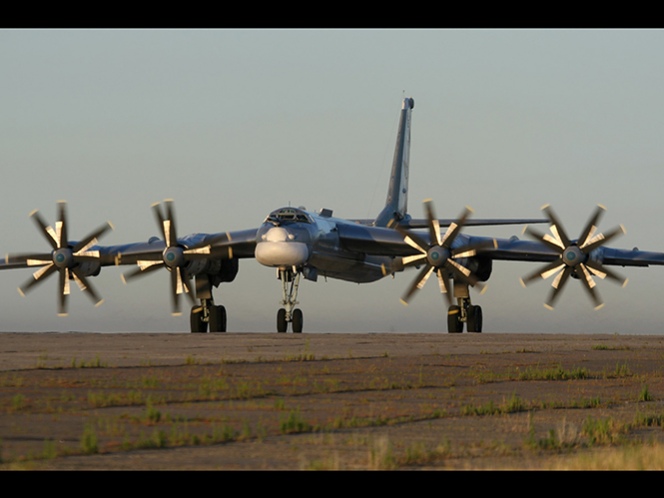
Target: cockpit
[[287, 215]]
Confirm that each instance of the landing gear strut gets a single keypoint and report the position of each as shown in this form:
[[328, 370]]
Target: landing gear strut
[[463, 312], [290, 283]]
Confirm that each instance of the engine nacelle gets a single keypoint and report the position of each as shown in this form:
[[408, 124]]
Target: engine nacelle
[[219, 270], [89, 268], [480, 266]]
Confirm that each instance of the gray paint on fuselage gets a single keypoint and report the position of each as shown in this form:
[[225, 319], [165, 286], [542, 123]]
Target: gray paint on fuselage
[[327, 255]]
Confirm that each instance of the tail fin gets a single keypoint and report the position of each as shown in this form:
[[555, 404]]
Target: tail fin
[[396, 204]]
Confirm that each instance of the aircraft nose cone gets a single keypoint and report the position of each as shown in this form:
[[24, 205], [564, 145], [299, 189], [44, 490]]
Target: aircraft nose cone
[[278, 234], [278, 248]]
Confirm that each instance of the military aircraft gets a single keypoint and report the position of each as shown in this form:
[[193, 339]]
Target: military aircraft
[[300, 243]]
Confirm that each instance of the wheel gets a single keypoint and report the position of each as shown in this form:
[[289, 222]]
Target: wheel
[[454, 323], [474, 322], [196, 323], [298, 321], [217, 319], [282, 324]]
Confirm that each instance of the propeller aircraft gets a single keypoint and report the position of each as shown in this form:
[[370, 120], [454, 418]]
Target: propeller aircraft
[[300, 243]]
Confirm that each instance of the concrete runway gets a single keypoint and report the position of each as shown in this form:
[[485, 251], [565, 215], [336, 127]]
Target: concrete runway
[[29, 350]]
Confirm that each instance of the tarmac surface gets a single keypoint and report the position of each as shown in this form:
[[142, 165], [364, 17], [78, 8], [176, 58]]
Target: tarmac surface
[[27, 350], [258, 401]]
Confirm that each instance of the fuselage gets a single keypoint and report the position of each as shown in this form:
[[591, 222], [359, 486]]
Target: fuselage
[[293, 237]]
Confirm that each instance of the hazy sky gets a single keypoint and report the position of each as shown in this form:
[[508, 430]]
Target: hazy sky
[[232, 124]]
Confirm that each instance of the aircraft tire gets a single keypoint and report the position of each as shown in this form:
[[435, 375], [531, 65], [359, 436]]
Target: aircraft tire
[[218, 319], [282, 324], [454, 323], [474, 323], [298, 321], [197, 325]]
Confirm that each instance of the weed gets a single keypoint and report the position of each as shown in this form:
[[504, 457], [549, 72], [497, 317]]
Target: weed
[[621, 370], [602, 431], [294, 424], [96, 363], [381, 456], [18, 402], [49, 451], [89, 441], [152, 415], [643, 420], [604, 347], [41, 361], [645, 395], [512, 405], [557, 373]]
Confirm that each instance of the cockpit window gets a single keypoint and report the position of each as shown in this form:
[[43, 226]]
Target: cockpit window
[[288, 214]]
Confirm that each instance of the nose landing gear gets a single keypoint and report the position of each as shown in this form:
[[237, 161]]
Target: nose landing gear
[[290, 283]]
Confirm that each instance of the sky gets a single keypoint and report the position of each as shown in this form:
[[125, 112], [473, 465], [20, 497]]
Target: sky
[[233, 123]]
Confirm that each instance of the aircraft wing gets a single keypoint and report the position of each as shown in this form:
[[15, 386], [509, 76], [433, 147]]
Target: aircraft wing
[[373, 240], [424, 223], [524, 250], [445, 222], [224, 245]]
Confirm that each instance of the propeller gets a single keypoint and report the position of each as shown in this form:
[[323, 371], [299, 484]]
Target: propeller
[[440, 254], [64, 258], [174, 257], [574, 256]]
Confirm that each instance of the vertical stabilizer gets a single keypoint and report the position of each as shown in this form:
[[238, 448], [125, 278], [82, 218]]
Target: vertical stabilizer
[[396, 204]]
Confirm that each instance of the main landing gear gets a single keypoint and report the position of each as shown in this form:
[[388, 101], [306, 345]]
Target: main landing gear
[[290, 283], [207, 314], [463, 312]]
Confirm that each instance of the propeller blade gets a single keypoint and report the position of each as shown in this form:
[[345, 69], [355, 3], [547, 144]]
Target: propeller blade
[[418, 283], [179, 285], [570, 261], [92, 238], [558, 284], [47, 231], [445, 265], [444, 284], [454, 228], [209, 248], [601, 239], [67, 258], [413, 239], [602, 272], [156, 209], [470, 250], [552, 242], [64, 292], [37, 277], [413, 260], [544, 272], [556, 226], [462, 273], [591, 226], [170, 223], [434, 225], [30, 259], [61, 225], [589, 284], [144, 267], [87, 288]]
